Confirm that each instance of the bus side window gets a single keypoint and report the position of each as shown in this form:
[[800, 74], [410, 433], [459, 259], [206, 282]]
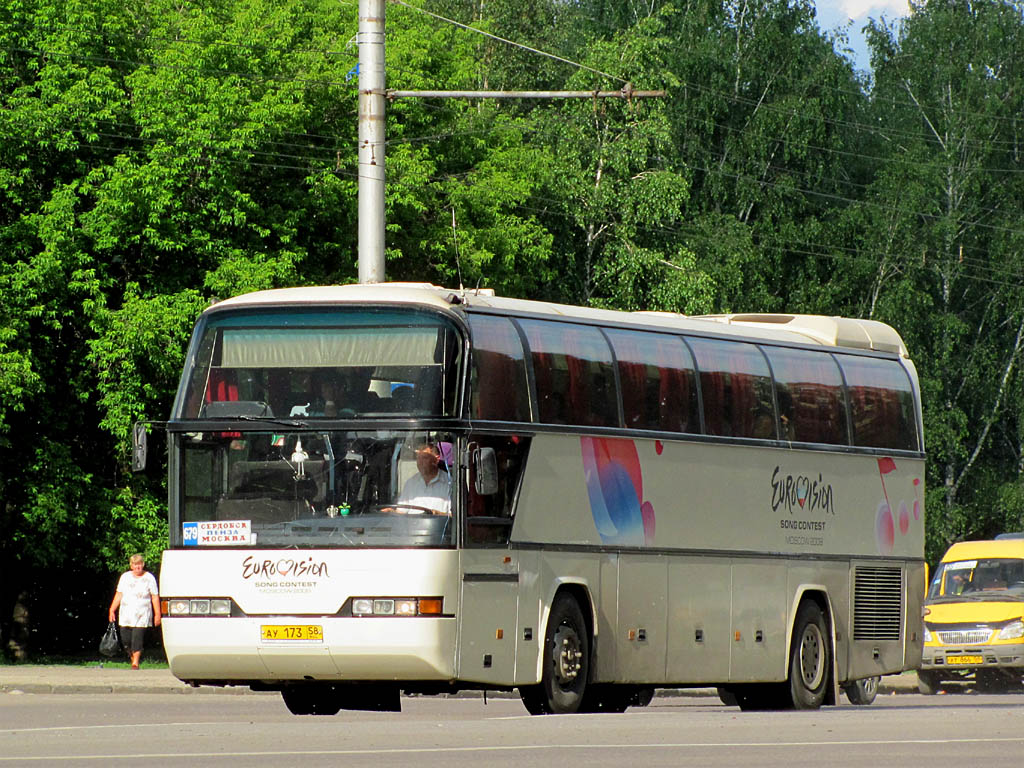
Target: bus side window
[[572, 366], [809, 390], [657, 380], [882, 406], [499, 387], [489, 516], [736, 386]]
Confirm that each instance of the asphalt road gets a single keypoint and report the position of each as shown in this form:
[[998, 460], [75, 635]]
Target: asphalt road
[[257, 731]]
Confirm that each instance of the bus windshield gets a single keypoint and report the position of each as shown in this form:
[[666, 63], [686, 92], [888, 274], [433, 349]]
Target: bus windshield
[[315, 363], [289, 488]]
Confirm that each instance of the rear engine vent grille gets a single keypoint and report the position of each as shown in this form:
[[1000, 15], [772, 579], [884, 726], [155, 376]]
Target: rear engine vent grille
[[877, 603]]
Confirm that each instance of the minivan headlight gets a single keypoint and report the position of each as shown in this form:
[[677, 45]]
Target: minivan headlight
[[1012, 631]]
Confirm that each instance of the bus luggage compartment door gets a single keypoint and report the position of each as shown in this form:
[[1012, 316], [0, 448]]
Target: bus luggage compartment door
[[488, 616]]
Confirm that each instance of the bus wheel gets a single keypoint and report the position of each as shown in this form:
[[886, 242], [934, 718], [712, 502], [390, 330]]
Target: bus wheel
[[311, 700], [727, 697], [759, 697], [642, 697], [863, 692], [810, 658], [566, 663], [616, 697], [928, 683], [995, 681]]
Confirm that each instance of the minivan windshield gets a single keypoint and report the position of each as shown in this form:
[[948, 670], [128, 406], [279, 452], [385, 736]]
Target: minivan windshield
[[981, 579]]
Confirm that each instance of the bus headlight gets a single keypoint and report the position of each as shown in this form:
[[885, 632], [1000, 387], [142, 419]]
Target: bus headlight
[[202, 606], [220, 607], [199, 607], [177, 608], [396, 606], [1012, 631], [927, 634]]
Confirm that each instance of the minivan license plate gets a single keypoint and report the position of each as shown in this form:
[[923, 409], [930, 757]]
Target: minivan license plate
[[964, 660]]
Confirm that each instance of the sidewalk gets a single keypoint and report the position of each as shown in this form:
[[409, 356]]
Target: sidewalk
[[92, 679], [97, 678]]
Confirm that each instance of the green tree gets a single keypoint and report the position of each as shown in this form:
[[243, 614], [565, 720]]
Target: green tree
[[944, 219]]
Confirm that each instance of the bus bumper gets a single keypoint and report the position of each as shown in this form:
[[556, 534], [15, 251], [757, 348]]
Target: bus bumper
[[233, 651]]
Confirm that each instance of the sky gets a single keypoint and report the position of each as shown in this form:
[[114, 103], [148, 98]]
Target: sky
[[836, 13]]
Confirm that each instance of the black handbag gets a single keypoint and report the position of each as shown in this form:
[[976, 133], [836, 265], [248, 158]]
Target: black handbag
[[110, 644]]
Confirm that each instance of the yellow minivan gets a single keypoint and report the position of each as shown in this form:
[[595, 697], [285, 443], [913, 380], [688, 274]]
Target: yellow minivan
[[974, 617]]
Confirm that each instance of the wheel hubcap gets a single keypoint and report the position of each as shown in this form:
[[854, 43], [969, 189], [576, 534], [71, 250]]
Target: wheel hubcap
[[812, 660], [569, 657]]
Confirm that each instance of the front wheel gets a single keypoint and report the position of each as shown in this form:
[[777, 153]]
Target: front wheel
[[996, 681], [863, 692], [311, 700], [810, 660], [565, 663]]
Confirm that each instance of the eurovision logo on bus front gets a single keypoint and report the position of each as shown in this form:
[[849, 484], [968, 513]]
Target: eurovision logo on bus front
[[615, 486], [284, 574]]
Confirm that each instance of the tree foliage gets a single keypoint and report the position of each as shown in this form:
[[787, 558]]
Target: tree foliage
[[158, 155]]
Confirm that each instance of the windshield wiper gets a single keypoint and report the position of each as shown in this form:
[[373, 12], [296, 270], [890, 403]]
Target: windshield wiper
[[270, 420]]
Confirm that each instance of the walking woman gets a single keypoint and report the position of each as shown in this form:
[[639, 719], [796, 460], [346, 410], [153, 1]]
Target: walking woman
[[137, 606]]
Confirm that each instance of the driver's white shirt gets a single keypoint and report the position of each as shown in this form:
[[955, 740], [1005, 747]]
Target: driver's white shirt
[[434, 495]]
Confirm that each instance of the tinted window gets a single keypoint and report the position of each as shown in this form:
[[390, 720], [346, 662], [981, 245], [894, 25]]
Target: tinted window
[[500, 389], [736, 388], [809, 392], [881, 403], [572, 366], [328, 363], [657, 381], [489, 514]]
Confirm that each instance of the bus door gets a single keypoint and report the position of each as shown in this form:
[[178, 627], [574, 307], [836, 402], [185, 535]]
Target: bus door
[[489, 610]]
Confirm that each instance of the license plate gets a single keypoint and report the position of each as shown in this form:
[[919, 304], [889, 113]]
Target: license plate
[[309, 632], [964, 659]]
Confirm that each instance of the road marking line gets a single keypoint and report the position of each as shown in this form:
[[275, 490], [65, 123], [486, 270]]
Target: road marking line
[[512, 748]]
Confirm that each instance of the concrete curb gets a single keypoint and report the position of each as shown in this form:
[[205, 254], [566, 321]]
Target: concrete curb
[[57, 679]]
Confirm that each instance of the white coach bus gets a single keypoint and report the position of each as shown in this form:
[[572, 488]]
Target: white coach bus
[[606, 502]]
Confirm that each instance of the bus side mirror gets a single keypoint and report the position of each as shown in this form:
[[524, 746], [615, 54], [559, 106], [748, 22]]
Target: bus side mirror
[[139, 447], [486, 464]]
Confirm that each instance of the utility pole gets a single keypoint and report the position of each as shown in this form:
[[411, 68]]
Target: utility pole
[[373, 95], [371, 141]]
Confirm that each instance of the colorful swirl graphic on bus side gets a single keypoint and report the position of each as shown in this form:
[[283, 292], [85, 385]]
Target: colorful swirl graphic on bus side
[[611, 468], [885, 523]]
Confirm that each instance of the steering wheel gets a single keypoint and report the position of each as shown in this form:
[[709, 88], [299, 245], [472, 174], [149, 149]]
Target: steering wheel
[[404, 508]]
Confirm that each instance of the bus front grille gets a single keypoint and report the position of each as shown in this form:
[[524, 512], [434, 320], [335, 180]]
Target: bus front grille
[[877, 603]]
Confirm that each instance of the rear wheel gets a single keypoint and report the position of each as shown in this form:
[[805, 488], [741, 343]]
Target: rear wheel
[[810, 660], [863, 692], [565, 663]]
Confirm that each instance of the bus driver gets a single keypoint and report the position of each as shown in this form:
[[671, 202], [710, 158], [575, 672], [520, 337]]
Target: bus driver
[[429, 487]]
